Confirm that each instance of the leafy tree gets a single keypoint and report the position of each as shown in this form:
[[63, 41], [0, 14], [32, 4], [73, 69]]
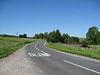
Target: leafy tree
[[70, 40], [41, 35], [58, 36], [24, 35], [51, 37], [98, 37], [84, 41], [36, 36], [65, 38], [45, 35], [76, 39], [91, 35], [20, 36]]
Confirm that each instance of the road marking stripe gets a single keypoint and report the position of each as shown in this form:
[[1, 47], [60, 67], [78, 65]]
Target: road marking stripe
[[43, 53], [82, 67], [87, 58], [38, 54], [34, 54], [36, 47]]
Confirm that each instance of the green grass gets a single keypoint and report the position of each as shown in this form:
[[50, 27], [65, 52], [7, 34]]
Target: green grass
[[93, 52], [9, 45]]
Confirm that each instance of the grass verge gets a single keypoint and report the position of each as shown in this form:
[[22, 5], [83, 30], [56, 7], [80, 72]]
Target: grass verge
[[93, 52], [9, 45]]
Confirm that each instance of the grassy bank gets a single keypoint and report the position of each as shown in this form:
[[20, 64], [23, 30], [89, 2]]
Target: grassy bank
[[9, 45], [93, 52]]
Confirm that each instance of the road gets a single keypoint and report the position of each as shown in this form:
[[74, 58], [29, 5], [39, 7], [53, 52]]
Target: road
[[51, 62], [36, 59]]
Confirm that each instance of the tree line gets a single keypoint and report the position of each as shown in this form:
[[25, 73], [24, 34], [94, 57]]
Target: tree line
[[56, 36], [20, 36], [92, 37]]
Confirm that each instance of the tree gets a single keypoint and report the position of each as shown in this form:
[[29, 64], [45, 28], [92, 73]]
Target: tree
[[51, 37], [24, 35], [76, 39], [45, 35], [70, 40], [98, 37], [91, 35], [54, 36], [41, 35], [65, 38], [58, 36], [20, 36], [84, 41], [36, 36]]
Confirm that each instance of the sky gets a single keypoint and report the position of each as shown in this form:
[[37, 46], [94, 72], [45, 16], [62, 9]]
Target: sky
[[38, 16]]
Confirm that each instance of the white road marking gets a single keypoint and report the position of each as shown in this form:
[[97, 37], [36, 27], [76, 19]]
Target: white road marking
[[36, 48], [43, 51], [82, 67], [34, 54], [38, 54], [47, 54], [87, 58]]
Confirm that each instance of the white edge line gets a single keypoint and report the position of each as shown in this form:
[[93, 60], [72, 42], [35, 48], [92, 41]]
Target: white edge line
[[87, 58], [73, 63], [82, 67]]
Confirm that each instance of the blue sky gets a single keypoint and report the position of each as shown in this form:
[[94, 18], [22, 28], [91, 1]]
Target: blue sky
[[35, 16]]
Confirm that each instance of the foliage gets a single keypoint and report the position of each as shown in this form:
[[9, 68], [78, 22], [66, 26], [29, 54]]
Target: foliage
[[98, 37], [93, 36], [23, 36], [6, 35], [65, 38], [56, 36]]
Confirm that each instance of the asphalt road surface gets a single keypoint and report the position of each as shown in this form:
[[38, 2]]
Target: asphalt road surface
[[51, 62]]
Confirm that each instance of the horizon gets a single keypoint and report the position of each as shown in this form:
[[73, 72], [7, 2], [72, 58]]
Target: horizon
[[35, 16]]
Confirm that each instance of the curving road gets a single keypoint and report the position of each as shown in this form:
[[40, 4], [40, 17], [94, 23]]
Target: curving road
[[51, 62]]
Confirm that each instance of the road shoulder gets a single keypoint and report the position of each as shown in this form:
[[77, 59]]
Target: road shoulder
[[16, 64]]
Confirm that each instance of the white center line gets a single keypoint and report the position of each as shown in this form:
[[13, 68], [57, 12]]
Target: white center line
[[36, 47], [82, 67], [42, 54]]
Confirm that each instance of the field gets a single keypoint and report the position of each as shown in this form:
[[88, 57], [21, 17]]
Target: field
[[9, 45], [93, 51]]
